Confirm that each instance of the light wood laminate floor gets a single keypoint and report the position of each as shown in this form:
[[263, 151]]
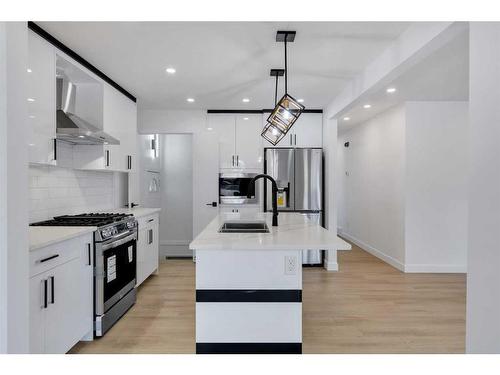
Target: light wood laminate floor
[[366, 307]]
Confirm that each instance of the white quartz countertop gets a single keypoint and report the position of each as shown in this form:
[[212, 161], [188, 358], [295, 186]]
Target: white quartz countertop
[[294, 231], [40, 237], [136, 211]]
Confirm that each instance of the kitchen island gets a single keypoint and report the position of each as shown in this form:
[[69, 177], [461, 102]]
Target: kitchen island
[[249, 284]]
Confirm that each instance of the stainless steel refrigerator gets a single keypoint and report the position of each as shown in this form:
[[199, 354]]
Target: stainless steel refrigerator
[[299, 175]]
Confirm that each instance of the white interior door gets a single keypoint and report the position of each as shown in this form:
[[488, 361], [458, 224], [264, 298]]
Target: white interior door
[[205, 179]]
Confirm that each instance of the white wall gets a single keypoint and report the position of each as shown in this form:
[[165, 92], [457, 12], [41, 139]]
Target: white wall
[[14, 259], [374, 188], [205, 154], [436, 186], [176, 222], [330, 178], [405, 196], [483, 276]]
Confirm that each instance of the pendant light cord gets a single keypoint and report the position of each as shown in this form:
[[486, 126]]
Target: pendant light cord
[[276, 91], [286, 70]]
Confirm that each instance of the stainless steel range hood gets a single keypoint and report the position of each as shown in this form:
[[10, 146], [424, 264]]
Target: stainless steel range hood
[[70, 127]]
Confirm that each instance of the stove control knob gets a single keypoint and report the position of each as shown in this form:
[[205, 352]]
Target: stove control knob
[[106, 232]]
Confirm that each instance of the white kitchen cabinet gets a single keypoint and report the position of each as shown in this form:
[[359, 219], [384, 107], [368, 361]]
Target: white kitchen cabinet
[[147, 247], [240, 209], [61, 291], [120, 121], [240, 142], [248, 142], [306, 132], [224, 126], [41, 100]]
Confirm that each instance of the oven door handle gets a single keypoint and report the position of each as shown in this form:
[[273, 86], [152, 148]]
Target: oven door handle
[[118, 242]]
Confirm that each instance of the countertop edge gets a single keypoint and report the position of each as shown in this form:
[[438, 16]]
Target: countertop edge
[[61, 238]]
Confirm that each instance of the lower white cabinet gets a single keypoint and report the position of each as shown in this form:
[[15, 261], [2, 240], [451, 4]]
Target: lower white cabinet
[[239, 209], [148, 247], [61, 304]]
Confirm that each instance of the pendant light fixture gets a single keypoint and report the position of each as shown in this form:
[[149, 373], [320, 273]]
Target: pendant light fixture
[[271, 133], [288, 109]]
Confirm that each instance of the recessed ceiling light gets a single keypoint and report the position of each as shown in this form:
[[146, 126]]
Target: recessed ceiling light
[[347, 118], [31, 100], [32, 116], [390, 90], [210, 129], [245, 100], [190, 100], [29, 70], [367, 106], [300, 100], [81, 136], [245, 118], [170, 70]]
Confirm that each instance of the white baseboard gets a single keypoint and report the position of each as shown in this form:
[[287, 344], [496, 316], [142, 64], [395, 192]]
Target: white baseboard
[[375, 252], [435, 268]]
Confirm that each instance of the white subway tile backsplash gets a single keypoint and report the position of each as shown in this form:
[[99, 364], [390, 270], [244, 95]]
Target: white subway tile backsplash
[[58, 191]]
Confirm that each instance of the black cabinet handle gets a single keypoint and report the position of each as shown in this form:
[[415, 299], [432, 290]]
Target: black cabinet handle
[[45, 294], [232, 163], [237, 160], [48, 258], [107, 158], [295, 139], [89, 255], [52, 294], [213, 204], [150, 235], [150, 220], [55, 149]]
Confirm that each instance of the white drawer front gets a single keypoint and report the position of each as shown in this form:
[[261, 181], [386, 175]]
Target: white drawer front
[[51, 256], [247, 269], [258, 322], [147, 221]]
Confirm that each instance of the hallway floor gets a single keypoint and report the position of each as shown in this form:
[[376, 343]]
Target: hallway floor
[[366, 307]]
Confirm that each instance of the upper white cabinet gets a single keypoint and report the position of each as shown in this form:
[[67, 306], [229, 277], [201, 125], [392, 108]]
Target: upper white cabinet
[[120, 121], [240, 142], [306, 132], [41, 100]]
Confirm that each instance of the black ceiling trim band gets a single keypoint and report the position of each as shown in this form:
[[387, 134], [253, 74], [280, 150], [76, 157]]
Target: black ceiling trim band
[[242, 111], [68, 51], [304, 111], [251, 295], [255, 111]]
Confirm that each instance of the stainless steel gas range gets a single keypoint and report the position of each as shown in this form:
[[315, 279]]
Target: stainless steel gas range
[[115, 249]]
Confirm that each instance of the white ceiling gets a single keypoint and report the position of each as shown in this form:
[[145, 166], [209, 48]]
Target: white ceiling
[[442, 76], [220, 63]]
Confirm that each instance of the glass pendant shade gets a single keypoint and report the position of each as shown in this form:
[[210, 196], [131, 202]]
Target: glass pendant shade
[[284, 115], [271, 134]]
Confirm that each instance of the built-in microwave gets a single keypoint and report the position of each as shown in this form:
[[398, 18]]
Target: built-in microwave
[[234, 188]]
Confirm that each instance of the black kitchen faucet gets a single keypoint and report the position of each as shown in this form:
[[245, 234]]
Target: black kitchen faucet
[[274, 194]]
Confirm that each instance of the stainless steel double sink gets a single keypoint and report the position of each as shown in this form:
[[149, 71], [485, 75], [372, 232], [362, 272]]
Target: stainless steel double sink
[[244, 227]]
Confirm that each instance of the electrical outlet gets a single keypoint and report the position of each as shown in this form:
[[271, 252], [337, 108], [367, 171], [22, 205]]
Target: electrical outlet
[[290, 265]]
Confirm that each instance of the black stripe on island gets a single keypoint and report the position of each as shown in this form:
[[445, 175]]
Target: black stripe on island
[[68, 51], [249, 348], [228, 295]]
